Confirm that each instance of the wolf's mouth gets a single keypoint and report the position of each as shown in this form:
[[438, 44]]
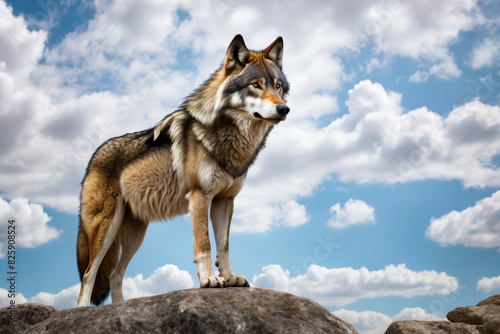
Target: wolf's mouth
[[272, 120]]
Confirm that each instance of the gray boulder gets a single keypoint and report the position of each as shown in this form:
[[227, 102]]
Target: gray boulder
[[23, 316], [229, 310], [428, 327], [481, 319], [493, 300], [487, 314]]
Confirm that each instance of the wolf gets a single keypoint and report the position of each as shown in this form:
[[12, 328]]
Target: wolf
[[193, 161]]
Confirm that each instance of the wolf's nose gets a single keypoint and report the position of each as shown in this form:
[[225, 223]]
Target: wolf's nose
[[282, 110]]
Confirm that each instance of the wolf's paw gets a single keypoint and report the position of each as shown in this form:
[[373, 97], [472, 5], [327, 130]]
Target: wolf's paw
[[212, 282], [237, 281]]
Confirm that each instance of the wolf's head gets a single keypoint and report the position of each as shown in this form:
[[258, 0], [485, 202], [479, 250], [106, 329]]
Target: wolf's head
[[250, 85], [255, 83]]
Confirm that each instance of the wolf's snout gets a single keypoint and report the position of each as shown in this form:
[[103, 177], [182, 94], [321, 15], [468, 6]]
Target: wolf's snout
[[282, 110]]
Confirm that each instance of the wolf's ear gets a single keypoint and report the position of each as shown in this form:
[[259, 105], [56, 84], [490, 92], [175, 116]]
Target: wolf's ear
[[237, 53], [274, 51]]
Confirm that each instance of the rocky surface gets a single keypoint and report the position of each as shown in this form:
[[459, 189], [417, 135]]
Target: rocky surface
[[230, 310], [486, 313], [484, 318], [493, 300], [26, 315], [427, 327]]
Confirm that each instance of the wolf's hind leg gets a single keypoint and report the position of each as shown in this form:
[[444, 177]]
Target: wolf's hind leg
[[198, 207], [130, 236], [100, 242], [221, 213]]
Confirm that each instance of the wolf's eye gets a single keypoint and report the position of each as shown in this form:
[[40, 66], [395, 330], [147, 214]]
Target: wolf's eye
[[256, 85], [278, 86]]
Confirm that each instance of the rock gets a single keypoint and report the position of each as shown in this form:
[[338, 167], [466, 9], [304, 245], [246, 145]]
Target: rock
[[493, 300], [230, 310], [26, 315], [426, 327], [487, 314], [483, 318]]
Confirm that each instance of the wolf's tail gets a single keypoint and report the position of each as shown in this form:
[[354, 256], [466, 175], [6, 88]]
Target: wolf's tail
[[102, 285], [82, 251]]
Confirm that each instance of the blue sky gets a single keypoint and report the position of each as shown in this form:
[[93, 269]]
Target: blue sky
[[378, 197]]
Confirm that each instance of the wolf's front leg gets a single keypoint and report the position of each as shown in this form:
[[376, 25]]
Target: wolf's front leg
[[221, 213], [198, 208]]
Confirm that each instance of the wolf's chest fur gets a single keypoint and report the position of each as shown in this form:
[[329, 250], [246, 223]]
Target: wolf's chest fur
[[233, 144]]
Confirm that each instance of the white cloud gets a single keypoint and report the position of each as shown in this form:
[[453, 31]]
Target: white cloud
[[445, 69], [342, 286], [366, 322], [253, 216], [419, 76], [371, 322], [164, 279], [486, 53], [25, 152], [407, 29], [410, 31], [119, 29], [374, 64], [488, 284], [416, 313], [354, 211], [66, 298], [5, 300], [259, 215], [20, 48], [476, 226], [293, 214], [31, 228]]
